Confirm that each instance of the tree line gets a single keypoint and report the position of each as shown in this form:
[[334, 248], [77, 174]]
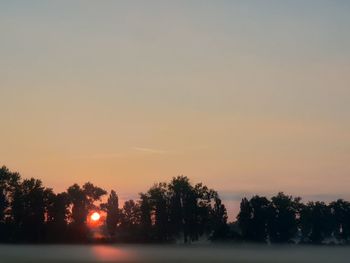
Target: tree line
[[177, 211], [32, 213], [285, 219]]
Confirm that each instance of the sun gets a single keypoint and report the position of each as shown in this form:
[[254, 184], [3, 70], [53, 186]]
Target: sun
[[95, 216]]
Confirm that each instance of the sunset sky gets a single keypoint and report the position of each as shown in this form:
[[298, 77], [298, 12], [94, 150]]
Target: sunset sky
[[244, 96]]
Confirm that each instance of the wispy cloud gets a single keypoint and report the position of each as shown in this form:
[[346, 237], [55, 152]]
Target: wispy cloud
[[99, 156], [150, 150]]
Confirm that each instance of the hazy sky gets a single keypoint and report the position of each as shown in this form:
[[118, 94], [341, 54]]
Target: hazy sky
[[245, 96]]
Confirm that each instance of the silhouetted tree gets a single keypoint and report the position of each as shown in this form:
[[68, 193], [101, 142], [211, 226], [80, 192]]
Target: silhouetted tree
[[3, 205], [220, 230], [9, 181], [181, 206], [244, 219], [204, 203], [145, 217], [158, 200], [57, 216], [341, 213], [131, 214], [192, 210], [28, 208], [113, 213], [317, 222], [130, 221], [253, 218], [82, 200], [283, 223]]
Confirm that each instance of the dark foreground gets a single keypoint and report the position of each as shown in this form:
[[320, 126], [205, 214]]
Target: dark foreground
[[130, 253]]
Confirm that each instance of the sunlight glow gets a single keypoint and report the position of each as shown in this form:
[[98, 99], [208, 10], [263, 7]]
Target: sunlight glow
[[95, 216]]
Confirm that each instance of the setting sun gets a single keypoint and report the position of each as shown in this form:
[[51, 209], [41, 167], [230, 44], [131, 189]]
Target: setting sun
[[95, 216]]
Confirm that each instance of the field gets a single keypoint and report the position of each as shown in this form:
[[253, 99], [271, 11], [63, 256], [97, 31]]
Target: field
[[151, 253]]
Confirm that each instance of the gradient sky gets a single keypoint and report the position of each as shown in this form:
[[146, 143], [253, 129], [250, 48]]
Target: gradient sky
[[245, 96]]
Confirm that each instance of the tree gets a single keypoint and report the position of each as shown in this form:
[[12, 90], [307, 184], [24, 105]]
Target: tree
[[9, 181], [3, 205], [145, 217], [158, 200], [282, 223], [316, 222], [80, 204], [130, 221], [57, 216], [131, 214], [113, 213], [28, 208], [260, 207], [190, 209], [203, 206], [253, 218], [181, 206], [82, 200], [244, 219], [341, 214], [219, 221], [57, 210]]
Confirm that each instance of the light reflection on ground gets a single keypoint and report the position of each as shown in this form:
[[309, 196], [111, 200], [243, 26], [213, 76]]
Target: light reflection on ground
[[151, 253], [110, 253]]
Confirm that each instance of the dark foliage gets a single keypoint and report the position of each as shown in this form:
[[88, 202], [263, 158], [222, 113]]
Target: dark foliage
[[113, 213], [253, 218], [282, 222], [177, 211]]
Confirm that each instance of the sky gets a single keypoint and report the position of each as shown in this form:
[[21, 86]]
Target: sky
[[248, 97]]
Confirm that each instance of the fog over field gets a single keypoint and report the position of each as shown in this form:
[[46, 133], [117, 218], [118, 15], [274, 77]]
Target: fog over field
[[153, 253]]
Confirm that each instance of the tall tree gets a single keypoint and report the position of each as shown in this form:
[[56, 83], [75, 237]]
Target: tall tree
[[181, 207], [9, 182], [28, 208], [130, 221], [193, 210], [57, 216], [253, 218], [219, 225], [131, 214], [341, 213], [158, 200], [317, 222], [283, 223], [3, 205], [203, 206], [82, 200], [113, 213], [145, 217], [244, 219]]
